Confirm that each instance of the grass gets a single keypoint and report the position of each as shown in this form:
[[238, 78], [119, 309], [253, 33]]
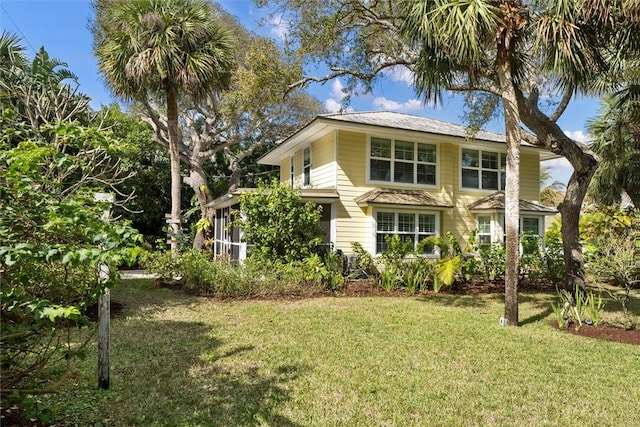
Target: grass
[[179, 360]]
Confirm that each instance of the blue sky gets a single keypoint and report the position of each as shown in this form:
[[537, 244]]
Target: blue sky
[[62, 27]]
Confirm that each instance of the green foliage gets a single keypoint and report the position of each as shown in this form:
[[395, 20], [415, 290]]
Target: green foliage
[[612, 250], [492, 261], [277, 224], [198, 274], [578, 307], [417, 274], [363, 265], [53, 239]]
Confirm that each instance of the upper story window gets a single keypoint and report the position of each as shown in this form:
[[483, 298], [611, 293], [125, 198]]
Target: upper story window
[[403, 162], [306, 167], [291, 171], [484, 170]]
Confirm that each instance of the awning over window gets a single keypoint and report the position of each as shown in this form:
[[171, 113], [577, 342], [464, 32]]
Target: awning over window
[[314, 195], [495, 202], [413, 198]]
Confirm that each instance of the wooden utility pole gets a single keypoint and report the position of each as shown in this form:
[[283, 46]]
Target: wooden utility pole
[[104, 337], [104, 310]]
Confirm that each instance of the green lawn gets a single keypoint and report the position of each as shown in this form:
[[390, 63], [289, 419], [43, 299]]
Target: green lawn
[[372, 361]]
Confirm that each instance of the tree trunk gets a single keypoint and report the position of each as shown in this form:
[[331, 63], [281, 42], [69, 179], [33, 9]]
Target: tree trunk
[[512, 190], [174, 158], [236, 171], [197, 180], [550, 136]]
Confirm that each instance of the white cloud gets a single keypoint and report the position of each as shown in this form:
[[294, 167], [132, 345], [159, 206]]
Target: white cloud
[[383, 103], [578, 135], [400, 73], [561, 169], [337, 90], [332, 106], [280, 27]]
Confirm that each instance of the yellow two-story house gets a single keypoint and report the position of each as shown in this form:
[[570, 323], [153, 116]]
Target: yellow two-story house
[[383, 173]]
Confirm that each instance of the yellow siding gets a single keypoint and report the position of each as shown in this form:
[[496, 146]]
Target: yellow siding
[[348, 175], [352, 221], [530, 176], [285, 165], [323, 168]]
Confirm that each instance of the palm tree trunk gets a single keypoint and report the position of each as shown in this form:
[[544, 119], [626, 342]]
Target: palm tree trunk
[[174, 159], [512, 190]]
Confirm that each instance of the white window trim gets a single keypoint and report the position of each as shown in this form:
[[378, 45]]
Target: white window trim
[[374, 223], [292, 170], [480, 150], [304, 184], [501, 230], [368, 179]]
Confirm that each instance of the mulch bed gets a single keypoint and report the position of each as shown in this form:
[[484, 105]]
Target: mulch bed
[[603, 332]]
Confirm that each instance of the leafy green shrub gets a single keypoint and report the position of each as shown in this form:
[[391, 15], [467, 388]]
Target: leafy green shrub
[[54, 240], [492, 261], [278, 224], [532, 260], [417, 274], [363, 265], [199, 274]]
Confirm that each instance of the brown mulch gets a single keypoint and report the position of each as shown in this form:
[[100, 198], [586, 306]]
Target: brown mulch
[[603, 332]]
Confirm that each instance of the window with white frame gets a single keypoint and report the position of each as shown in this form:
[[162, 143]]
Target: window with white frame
[[291, 170], [484, 170], [306, 167], [409, 226], [484, 231], [527, 225], [405, 162]]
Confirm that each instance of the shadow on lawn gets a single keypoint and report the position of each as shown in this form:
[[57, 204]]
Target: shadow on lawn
[[166, 371], [463, 300], [180, 373]]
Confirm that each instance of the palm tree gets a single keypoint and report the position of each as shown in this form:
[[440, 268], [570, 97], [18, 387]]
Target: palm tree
[[162, 49], [613, 141], [41, 91], [550, 194], [501, 47]]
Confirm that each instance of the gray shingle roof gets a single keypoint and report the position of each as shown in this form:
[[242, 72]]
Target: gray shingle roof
[[387, 196], [415, 123], [495, 201]]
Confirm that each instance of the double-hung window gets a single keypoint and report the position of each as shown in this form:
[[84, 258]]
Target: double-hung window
[[306, 167], [404, 162], [409, 226], [291, 170], [484, 170], [484, 231]]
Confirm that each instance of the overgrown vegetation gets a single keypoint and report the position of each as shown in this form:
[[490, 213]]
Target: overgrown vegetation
[[53, 241], [198, 274], [612, 249]]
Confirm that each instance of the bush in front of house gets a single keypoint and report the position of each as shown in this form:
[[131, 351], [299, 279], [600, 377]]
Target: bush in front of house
[[278, 225], [197, 273]]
